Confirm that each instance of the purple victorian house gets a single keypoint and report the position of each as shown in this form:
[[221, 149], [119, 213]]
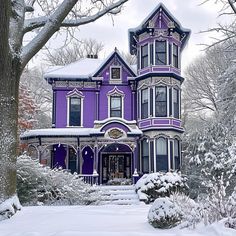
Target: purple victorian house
[[112, 120]]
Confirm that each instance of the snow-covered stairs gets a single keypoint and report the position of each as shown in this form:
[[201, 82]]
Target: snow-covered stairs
[[119, 195]]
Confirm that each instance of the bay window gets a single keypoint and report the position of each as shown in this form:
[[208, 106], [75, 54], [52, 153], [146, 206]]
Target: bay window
[[175, 56], [176, 154]]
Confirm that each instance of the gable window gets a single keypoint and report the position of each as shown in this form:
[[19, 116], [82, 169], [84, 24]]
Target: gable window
[[115, 72], [161, 102], [175, 56], [115, 106], [144, 103], [145, 156], [160, 49], [161, 154], [74, 111], [176, 103], [144, 56]]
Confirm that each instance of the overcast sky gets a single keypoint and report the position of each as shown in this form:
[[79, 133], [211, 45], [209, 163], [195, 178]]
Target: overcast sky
[[114, 33]]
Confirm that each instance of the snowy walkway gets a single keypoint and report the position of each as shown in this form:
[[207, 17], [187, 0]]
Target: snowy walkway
[[108, 220]]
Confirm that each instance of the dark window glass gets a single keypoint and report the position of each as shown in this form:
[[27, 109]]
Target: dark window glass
[[170, 54], [75, 111], [161, 102], [176, 103], [161, 155], [145, 156], [115, 73], [116, 106], [175, 56], [151, 54], [160, 50], [144, 56], [176, 154], [144, 103]]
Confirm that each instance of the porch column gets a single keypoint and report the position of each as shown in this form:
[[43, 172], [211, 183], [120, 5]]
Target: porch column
[[78, 156], [135, 163]]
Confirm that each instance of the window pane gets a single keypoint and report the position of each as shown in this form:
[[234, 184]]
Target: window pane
[[160, 52], [161, 104], [144, 103], [145, 156], [176, 148], [175, 56], [115, 107], [144, 56], [75, 111], [161, 146], [176, 103], [115, 73]]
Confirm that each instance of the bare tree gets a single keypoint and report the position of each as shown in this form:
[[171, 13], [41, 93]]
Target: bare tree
[[17, 18], [73, 52]]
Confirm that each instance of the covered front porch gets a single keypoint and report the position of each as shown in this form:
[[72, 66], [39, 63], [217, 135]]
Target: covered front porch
[[99, 155]]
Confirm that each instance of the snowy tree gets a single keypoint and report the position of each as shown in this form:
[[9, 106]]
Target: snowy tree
[[27, 109], [210, 159], [74, 51], [17, 18]]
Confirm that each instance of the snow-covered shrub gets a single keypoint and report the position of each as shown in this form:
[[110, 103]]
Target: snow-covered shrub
[[9, 207], [41, 185], [151, 186], [209, 153], [191, 211], [164, 214]]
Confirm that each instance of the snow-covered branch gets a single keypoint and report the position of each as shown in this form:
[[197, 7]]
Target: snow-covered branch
[[52, 24]]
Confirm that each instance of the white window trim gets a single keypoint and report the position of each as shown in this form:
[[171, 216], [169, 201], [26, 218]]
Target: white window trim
[[168, 154], [155, 159], [115, 92], [75, 94], [115, 80]]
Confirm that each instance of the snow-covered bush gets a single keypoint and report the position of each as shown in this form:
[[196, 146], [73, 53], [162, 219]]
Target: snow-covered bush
[[210, 153], [41, 185], [164, 214], [191, 211], [151, 186]]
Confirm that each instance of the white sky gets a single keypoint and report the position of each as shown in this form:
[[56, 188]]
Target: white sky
[[189, 13]]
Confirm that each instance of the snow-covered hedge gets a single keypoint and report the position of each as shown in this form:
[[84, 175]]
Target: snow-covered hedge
[[41, 185], [164, 214], [151, 186]]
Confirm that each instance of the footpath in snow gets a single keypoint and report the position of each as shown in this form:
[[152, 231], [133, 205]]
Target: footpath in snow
[[106, 220]]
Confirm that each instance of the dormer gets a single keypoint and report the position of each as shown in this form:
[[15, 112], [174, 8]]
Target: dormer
[[158, 42]]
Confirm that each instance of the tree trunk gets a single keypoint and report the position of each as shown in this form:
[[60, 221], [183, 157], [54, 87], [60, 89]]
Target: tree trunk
[[9, 83]]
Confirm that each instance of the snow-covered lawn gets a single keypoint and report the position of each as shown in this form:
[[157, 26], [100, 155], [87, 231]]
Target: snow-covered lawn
[[107, 220]]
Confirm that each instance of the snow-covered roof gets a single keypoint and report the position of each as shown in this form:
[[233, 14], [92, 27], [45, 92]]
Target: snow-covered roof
[[60, 132], [83, 68]]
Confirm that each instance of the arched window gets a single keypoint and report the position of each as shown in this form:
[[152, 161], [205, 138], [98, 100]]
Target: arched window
[[161, 101], [145, 156], [176, 154], [161, 154]]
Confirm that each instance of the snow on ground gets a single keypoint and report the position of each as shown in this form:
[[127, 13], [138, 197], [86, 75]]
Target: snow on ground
[[107, 220]]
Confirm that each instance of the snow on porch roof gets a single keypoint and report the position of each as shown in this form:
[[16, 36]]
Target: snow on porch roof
[[57, 132], [69, 132], [84, 68]]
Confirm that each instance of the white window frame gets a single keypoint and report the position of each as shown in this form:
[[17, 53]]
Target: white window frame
[[115, 92], [75, 94], [116, 67]]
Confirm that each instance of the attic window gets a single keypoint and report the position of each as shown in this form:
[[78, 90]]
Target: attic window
[[116, 73]]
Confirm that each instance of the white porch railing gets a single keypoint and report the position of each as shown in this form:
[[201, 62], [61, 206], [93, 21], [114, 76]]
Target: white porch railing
[[91, 179]]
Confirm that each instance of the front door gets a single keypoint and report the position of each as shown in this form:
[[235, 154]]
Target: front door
[[116, 166]]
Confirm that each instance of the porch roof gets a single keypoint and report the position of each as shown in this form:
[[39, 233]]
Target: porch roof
[[70, 132]]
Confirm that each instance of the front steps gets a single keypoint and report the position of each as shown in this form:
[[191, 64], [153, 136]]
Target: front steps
[[118, 195]]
